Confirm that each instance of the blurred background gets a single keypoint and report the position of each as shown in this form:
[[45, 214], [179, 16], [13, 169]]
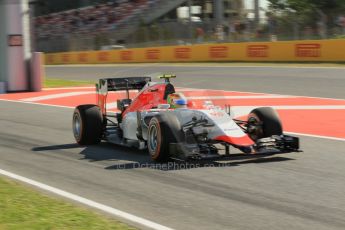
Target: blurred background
[[64, 25]]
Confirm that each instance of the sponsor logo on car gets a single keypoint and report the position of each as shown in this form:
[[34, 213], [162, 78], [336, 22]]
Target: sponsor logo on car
[[218, 51], [216, 113], [153, 54], [126, 55], [257, 51], [230, 129], [182, 53], [308, 50]]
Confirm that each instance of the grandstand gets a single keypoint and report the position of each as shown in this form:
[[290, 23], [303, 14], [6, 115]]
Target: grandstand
[[116, 19], [91, 19], [143, 23], [92, 27]]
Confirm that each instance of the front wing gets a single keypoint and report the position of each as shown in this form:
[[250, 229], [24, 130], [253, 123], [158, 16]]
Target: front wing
[[263, 147]]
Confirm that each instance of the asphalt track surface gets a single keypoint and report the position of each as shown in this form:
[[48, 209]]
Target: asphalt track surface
[[291, 191], [302, 81]]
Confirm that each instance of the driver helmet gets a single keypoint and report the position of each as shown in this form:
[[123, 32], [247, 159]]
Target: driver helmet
[[177, 100]]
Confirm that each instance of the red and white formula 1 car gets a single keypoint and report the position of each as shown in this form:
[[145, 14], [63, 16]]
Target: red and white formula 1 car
[[169, 126]]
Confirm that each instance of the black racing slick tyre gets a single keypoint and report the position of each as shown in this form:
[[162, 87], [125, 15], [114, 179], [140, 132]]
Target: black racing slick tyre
[[264, 122], [163, 130], [87, 124]]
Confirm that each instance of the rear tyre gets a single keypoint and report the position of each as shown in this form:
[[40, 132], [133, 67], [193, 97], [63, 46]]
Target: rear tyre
[[263, 122], [163, 130], [87, 124]]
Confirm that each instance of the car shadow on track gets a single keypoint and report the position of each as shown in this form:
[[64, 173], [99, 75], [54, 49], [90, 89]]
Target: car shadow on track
[[189, 165], [123, 158], [55, 147]]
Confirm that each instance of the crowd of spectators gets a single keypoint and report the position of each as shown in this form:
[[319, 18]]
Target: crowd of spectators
[[88, 20]]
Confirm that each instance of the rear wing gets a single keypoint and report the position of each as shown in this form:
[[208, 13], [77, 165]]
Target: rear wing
[[118, 84]]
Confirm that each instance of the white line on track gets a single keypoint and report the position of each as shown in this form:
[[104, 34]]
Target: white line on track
[[90, 203], [78, 87], [302, 107], [36, 103], [184, 89], [238, 110], [58, 95], [317, 136], [68, 94], [114, 104], [237, 97], [220, 90], [178, 89], [244, 110]]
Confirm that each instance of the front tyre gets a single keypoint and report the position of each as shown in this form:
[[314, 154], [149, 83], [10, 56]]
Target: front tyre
[[263, 122], [87, 124]]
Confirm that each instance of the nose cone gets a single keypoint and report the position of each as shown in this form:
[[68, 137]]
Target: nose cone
[[240, 141], [225, 129]]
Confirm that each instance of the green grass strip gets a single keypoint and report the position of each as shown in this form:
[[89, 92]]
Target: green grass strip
[[54, 82], [23, 208]]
